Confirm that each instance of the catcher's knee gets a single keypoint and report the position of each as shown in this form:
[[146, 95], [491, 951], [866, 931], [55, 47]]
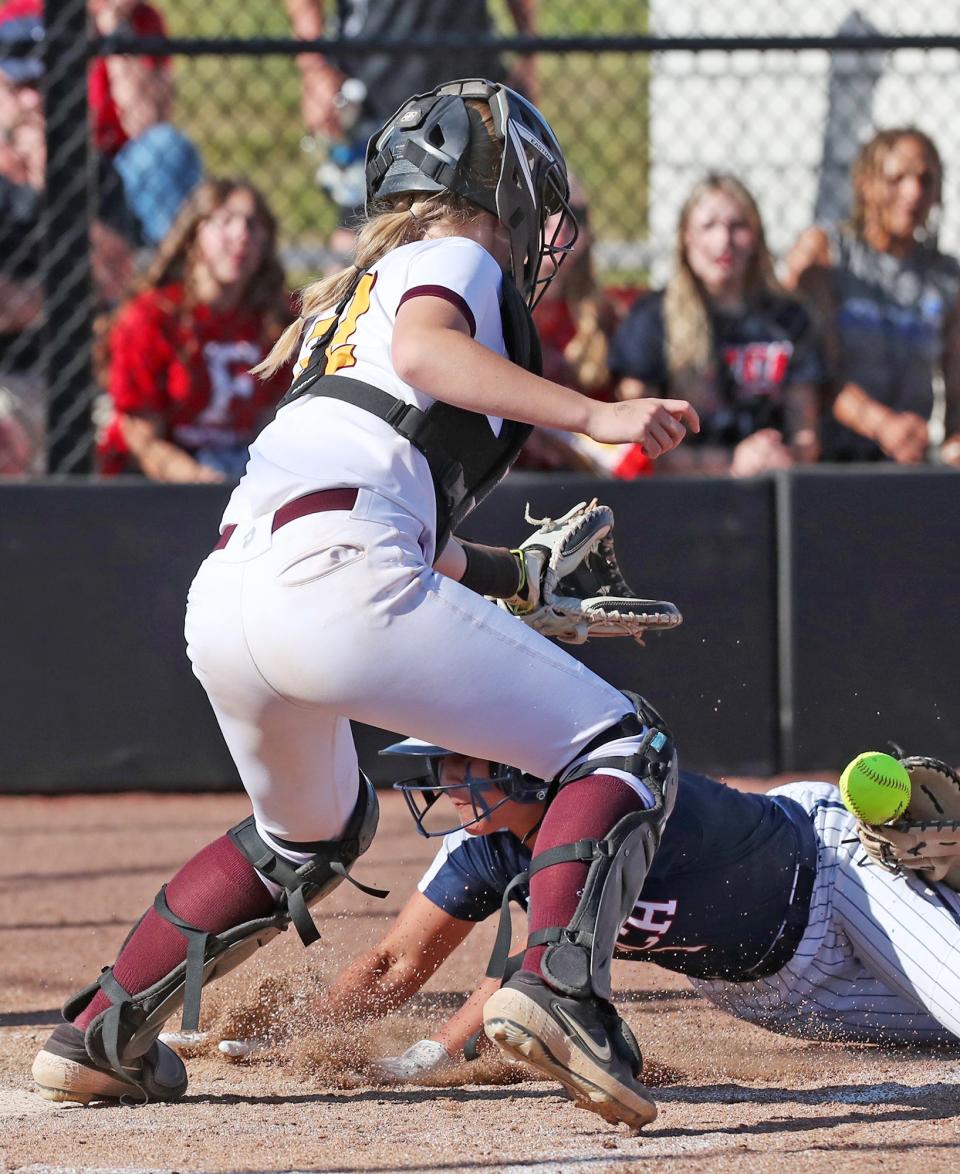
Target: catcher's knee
[[640, 745], [305, 884], [578, 955], [127, 1028]]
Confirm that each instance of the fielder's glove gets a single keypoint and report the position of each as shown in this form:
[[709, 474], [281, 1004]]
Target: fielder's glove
[[572, 587], [927, 837], [426, 1055]]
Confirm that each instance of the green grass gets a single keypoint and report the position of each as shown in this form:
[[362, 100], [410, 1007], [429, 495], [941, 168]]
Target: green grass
[[244, 114]]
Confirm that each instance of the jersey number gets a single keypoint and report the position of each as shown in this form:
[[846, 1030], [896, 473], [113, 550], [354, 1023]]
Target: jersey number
[[340, 352]]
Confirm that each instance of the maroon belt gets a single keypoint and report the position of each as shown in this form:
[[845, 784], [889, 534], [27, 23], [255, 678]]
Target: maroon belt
[[311, 503]]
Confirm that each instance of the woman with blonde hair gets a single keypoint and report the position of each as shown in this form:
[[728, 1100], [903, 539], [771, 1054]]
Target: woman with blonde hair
[[889, 301], [726, 336], [336, 578], [179, 353]]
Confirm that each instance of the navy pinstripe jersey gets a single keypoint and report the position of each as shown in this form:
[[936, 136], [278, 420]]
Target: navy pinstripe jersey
[[714, 901]]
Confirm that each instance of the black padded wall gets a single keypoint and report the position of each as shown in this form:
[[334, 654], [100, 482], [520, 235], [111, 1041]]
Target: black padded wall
[[870, 638], [818, 611]]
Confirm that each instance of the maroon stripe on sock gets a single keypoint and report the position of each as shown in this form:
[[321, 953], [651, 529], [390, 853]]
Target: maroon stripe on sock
[[217, 889], [584, 810], [448, 295]]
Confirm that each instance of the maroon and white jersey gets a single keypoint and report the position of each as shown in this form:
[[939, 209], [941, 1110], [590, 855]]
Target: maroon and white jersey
[[316, 442]]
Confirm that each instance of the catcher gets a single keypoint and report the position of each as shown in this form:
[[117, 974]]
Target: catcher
[[334, 580], [768, 903]]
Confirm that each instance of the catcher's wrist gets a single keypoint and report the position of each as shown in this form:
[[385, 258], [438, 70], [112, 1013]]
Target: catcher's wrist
[[526, 598], [493, 570], [522, 565], [523, 587]]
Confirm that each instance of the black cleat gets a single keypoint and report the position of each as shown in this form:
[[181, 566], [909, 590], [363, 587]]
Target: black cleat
[[583, 1043], [64, 1071]]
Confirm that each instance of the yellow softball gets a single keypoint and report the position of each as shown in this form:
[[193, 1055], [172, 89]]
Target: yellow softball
[[875, 787]]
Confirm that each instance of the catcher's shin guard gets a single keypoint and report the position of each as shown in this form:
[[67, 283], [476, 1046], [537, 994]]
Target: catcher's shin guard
[[577, 960], [124, 1032]]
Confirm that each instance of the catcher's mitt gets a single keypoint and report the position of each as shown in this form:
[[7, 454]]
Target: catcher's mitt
[[927, 837], [573, 588]]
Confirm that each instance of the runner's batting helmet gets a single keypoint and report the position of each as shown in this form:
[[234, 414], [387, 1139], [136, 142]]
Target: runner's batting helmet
[[423, 791]]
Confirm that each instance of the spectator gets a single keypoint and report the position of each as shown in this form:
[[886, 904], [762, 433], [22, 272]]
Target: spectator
[[574, 317], [23, 406], [179, 352], [131, 102], [889, 301], [386, 80], [575, 320], [726, 336]]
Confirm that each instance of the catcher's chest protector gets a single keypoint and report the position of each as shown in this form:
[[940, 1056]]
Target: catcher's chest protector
[[466, 460]]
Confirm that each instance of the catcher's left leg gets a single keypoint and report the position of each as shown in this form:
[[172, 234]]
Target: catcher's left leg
[[232, 898], [593, 854], [215, 890]]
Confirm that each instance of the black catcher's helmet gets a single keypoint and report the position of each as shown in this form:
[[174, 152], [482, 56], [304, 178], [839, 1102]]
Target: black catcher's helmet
[[429, 146], [423, 791]]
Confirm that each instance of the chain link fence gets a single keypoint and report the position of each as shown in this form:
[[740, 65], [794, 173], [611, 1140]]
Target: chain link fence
[[645, 97]]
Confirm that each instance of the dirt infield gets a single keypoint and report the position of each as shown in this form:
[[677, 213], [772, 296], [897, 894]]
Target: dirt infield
[[75, 872]]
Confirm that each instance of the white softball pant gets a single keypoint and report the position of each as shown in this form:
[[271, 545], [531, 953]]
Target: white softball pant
[[880, 958], [336, 616]]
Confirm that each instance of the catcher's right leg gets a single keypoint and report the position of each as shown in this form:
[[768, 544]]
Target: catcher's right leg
[[593, 854], [230, 899], [558, 1018]]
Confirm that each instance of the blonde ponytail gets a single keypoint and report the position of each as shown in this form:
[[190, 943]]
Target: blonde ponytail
[[408, 218], [688, 336], [593, 319]]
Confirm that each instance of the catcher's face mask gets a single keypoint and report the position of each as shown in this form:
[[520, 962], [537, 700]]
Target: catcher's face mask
[[476, 796], [430, 144]]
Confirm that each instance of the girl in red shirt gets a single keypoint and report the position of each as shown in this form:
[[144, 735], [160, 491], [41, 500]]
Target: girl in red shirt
[[180, 351]]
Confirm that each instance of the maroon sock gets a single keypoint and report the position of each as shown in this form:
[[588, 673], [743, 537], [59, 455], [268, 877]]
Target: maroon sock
[[217, 889], [584, 810]]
